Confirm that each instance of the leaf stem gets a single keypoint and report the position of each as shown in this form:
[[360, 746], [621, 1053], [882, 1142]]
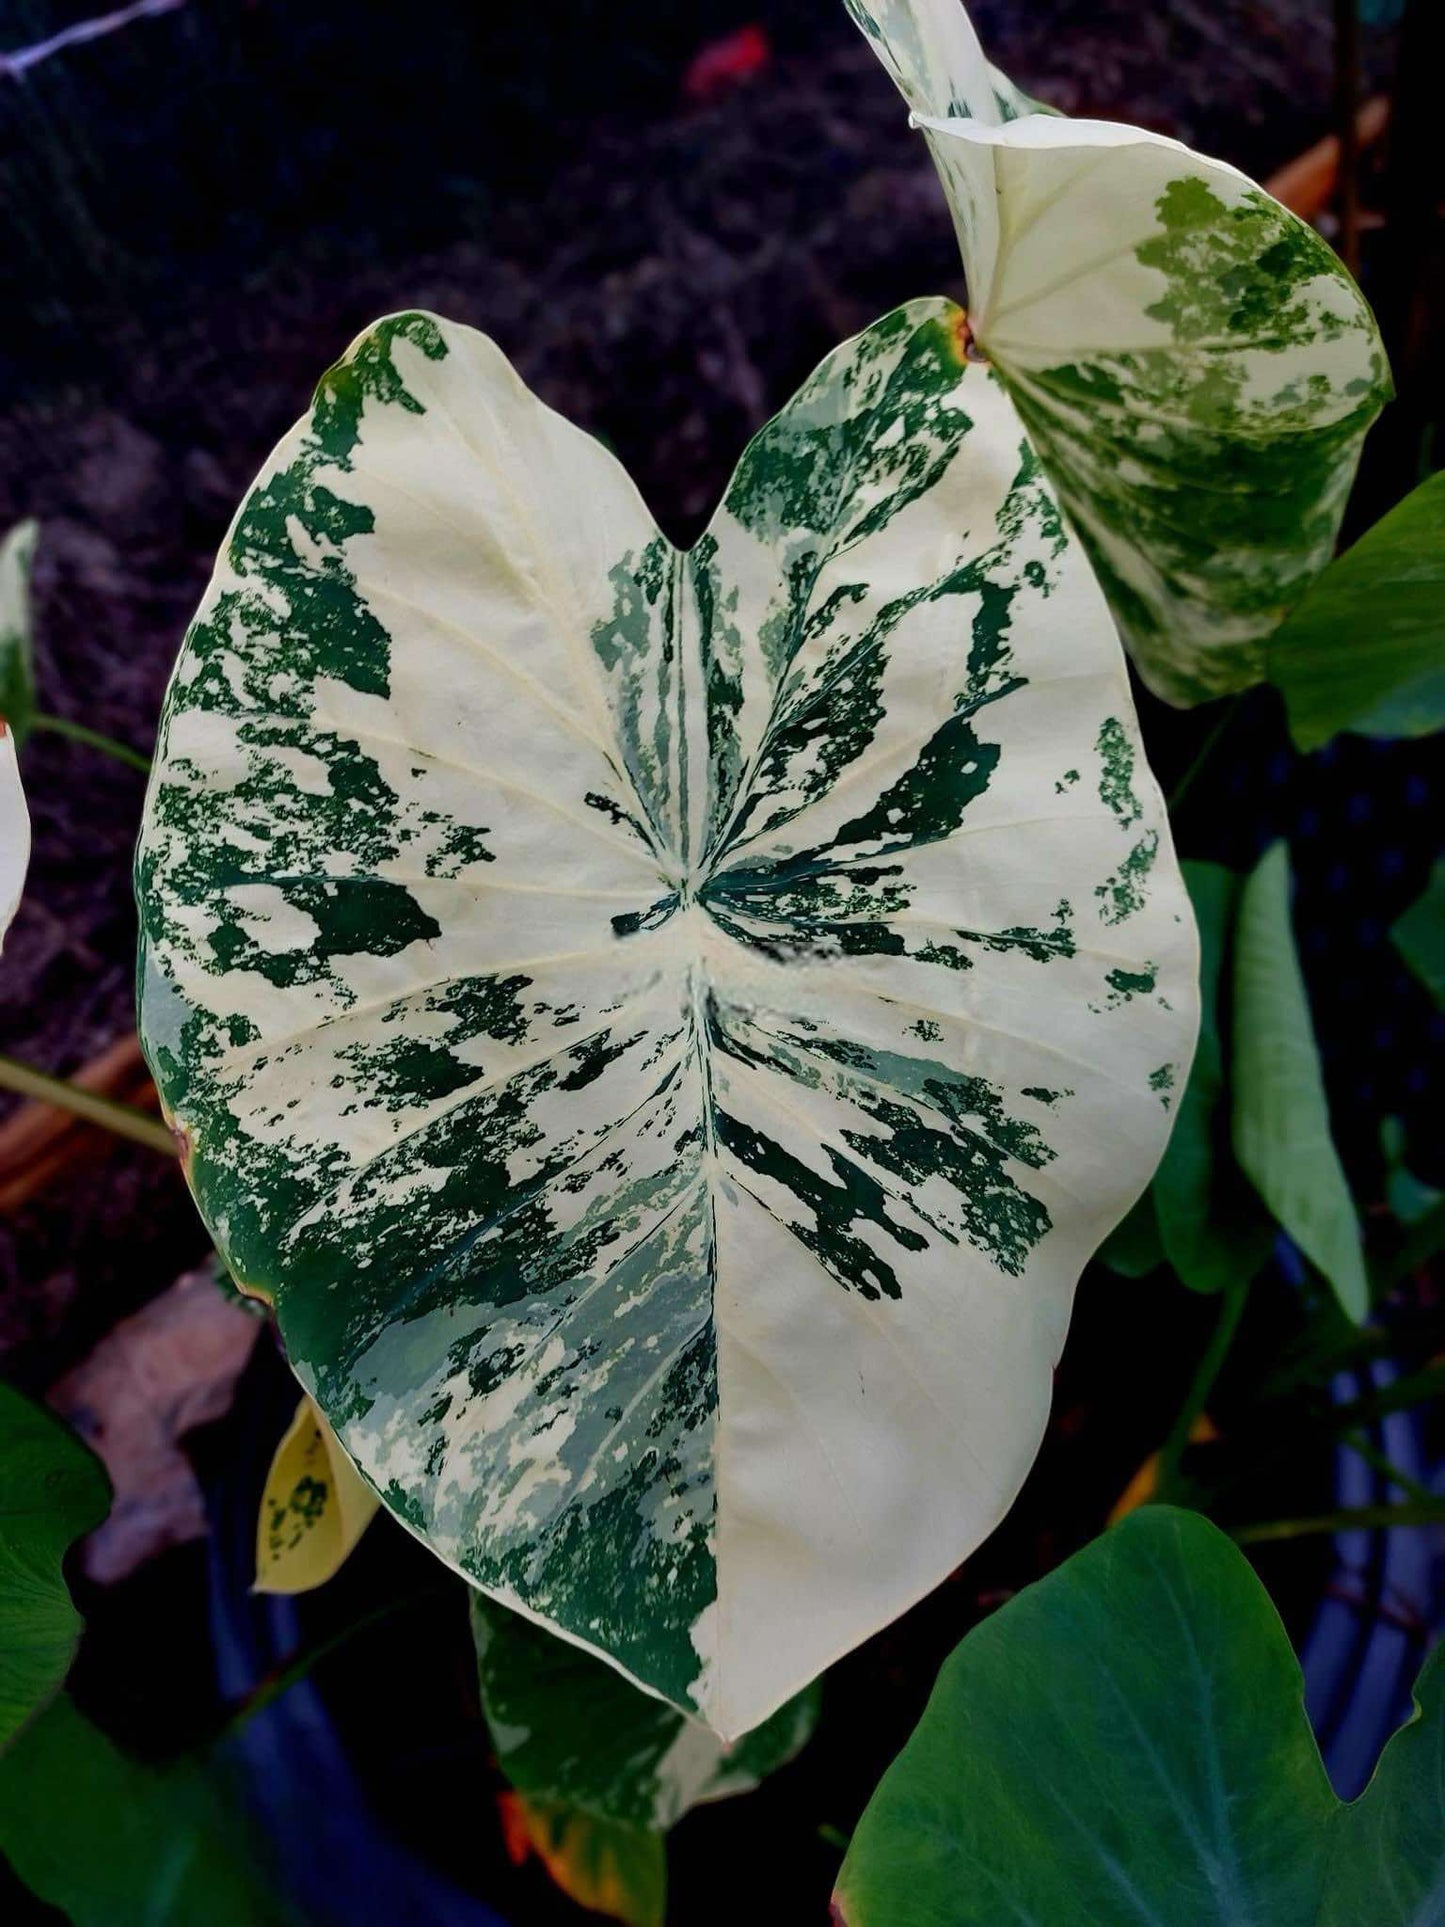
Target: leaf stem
[[122, 1119], [1377, 1461], [93, 739], [1202, 755], [1210, 1365], [276, 1684], [1348, 1519]]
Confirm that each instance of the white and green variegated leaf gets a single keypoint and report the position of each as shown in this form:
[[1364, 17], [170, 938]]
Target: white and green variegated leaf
[[571, 1731], [1193, 364], [14, 832], [17, 646], [666, 1030]]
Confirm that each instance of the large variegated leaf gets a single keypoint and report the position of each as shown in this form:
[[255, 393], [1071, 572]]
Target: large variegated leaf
[[667, 1030], [1194, 365]]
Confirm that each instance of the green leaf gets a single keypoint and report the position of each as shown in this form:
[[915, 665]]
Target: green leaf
[[1388, 1861], [569, 1730], [1124, 1741], [610, 1869], [1281, 1117], [1133, 1248], [107, 1840], [17, 649], [1419, 934], [53, 1491], [1210, 1222], [1409, 1198], [1364, 650], [1194, 365], [667, 1030]]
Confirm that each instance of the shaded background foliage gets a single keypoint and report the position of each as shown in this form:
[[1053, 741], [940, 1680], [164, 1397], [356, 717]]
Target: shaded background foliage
[[196, 215]]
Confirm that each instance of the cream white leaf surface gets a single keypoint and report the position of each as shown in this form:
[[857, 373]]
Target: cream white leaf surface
[[1193, 363], [14, 832], [666, 1030]]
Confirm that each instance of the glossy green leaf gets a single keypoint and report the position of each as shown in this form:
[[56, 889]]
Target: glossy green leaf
[[17, 648], [53, 1490], [608, 1868], [1419, 934], [570, 1730], [1281, 1118], [1365, 648], [1194, 365], [1123, 1742], [109, 1841], [1387, 1868], [667, 1030], [1211, 1224]]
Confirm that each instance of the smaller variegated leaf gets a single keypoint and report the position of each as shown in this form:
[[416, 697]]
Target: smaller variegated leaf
[[570, 1730], [17, 648], [14, 832], [666, 1030], [314, 1509], [1194, 365]]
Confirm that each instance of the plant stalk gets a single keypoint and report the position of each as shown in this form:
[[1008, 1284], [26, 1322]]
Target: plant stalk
[[124, 1120], [1348, 1519], [1206, 749], [1172, 1451], [93, 739]]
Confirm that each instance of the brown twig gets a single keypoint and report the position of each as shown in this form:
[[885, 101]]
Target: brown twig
[[40, 1139], [1307, 184]]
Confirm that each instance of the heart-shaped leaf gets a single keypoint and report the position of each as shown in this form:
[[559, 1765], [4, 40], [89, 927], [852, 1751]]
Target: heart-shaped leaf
[[1194, 365], [1387, 1864], [666, 1030], [52, 1491], [106, 1838], [1126, 1741]]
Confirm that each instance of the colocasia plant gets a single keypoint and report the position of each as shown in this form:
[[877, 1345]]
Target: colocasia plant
[[665, 1030]]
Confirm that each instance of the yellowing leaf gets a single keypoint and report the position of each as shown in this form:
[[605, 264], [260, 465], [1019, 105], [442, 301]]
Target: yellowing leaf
[[1145, 1482], [610, 1869], [314, 1509]]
